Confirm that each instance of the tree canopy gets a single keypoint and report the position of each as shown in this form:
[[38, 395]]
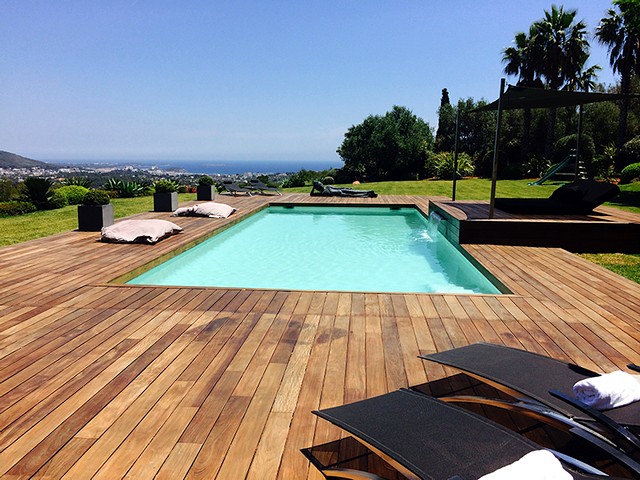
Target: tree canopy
[[394, 146], [619, 31]]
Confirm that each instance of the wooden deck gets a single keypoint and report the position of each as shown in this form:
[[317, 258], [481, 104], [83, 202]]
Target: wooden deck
[[101, 380], [606, 229]]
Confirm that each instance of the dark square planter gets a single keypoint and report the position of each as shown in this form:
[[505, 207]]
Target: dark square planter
[[91, 218], [165, 202], [206, 192]]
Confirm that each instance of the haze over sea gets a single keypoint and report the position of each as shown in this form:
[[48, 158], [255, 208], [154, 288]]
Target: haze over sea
[[212, 167]]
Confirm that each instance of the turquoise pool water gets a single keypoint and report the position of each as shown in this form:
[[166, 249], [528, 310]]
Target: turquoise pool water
[[326, 248]]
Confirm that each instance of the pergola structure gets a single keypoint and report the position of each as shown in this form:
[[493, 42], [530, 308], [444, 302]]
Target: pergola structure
[[516, 97]]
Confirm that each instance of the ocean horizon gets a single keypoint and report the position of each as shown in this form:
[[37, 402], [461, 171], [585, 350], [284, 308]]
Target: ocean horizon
[[214, 167]]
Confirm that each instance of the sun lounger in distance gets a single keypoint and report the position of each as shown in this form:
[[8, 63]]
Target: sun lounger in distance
[[234, 188], [576, 198], [262, 187]]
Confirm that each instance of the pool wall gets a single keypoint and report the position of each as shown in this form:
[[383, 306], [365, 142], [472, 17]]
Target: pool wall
[[449, 228], [444, 228]]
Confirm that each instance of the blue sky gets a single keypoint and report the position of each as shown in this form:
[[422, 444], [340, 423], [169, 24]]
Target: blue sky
[[242, 79]]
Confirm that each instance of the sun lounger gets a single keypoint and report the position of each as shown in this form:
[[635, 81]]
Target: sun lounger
[[576, 198], [421, 436], [321, 190], [262, 187], [234, 188], [541, 384]]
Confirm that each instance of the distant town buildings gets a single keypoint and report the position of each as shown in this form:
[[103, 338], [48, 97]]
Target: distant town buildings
[[101, 173]]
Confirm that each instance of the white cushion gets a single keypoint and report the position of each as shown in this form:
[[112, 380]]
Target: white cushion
[[536, 465], [208, 209], [139, 231], [182, 212]]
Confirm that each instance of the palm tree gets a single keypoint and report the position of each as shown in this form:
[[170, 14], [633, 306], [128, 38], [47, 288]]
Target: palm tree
[[619, 32], [562, 48], [521, 60]]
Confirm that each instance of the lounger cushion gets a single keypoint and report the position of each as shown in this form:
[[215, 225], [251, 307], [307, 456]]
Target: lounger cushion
[[139, 231], [208, 209], [567, 194], [536, 465], [576, 198]]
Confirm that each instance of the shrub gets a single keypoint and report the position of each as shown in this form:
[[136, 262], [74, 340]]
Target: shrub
[[96, 197], [57, 200], [14, 208], [74, 193], [79, 181], [512, 171], [630, 173], [564, 145], [302, 178], [603, 165], [630, 152], [166, 186], [294, 180], [328, 180], [112, 184], [7, 190], [206, 180], [37, 190], [536, 166], [125, 189], [441, 165]]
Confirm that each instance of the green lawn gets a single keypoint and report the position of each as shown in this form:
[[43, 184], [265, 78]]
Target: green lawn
[[44, 223], [623, 264], [480, 189], [49, 222], [467, 189]]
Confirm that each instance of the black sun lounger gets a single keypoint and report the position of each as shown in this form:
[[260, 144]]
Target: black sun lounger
[[234, 188], [540, 380], [576, 198], [262, 187], [321, 190], [421, 436]]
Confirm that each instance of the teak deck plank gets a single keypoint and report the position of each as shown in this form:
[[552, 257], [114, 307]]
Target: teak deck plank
[[105, 380]]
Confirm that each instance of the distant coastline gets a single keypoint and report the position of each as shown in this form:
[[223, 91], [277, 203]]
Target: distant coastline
[[211, 167]]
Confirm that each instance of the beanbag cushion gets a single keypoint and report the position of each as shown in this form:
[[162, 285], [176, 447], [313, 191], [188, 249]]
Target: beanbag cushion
[[139, 231], [207, 209], [568, 194]]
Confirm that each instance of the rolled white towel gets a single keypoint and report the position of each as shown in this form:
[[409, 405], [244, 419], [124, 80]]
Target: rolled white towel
[[609, 390], [536, 465]]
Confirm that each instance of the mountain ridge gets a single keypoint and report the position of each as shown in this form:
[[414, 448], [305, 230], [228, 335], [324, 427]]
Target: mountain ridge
[[12, 160]]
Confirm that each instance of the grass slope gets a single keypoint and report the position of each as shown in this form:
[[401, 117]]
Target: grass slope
[[49, 222]]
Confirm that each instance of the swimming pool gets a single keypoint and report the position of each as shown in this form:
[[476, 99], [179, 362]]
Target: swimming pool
[[357, 249]]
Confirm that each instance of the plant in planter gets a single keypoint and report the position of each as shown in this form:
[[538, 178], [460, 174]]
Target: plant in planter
[[165, 198], [206, 188], [95, 212]]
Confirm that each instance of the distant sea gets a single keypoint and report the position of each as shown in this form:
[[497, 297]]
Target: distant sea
[[212, 167]]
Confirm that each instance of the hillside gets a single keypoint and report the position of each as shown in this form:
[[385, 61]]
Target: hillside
[[11, 160]]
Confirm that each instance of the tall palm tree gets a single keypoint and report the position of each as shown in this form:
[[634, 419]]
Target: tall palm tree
[[619, 32], [562, 48], [521, 60]]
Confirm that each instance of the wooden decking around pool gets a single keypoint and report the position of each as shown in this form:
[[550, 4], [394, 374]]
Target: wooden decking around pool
[[101, 380]]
